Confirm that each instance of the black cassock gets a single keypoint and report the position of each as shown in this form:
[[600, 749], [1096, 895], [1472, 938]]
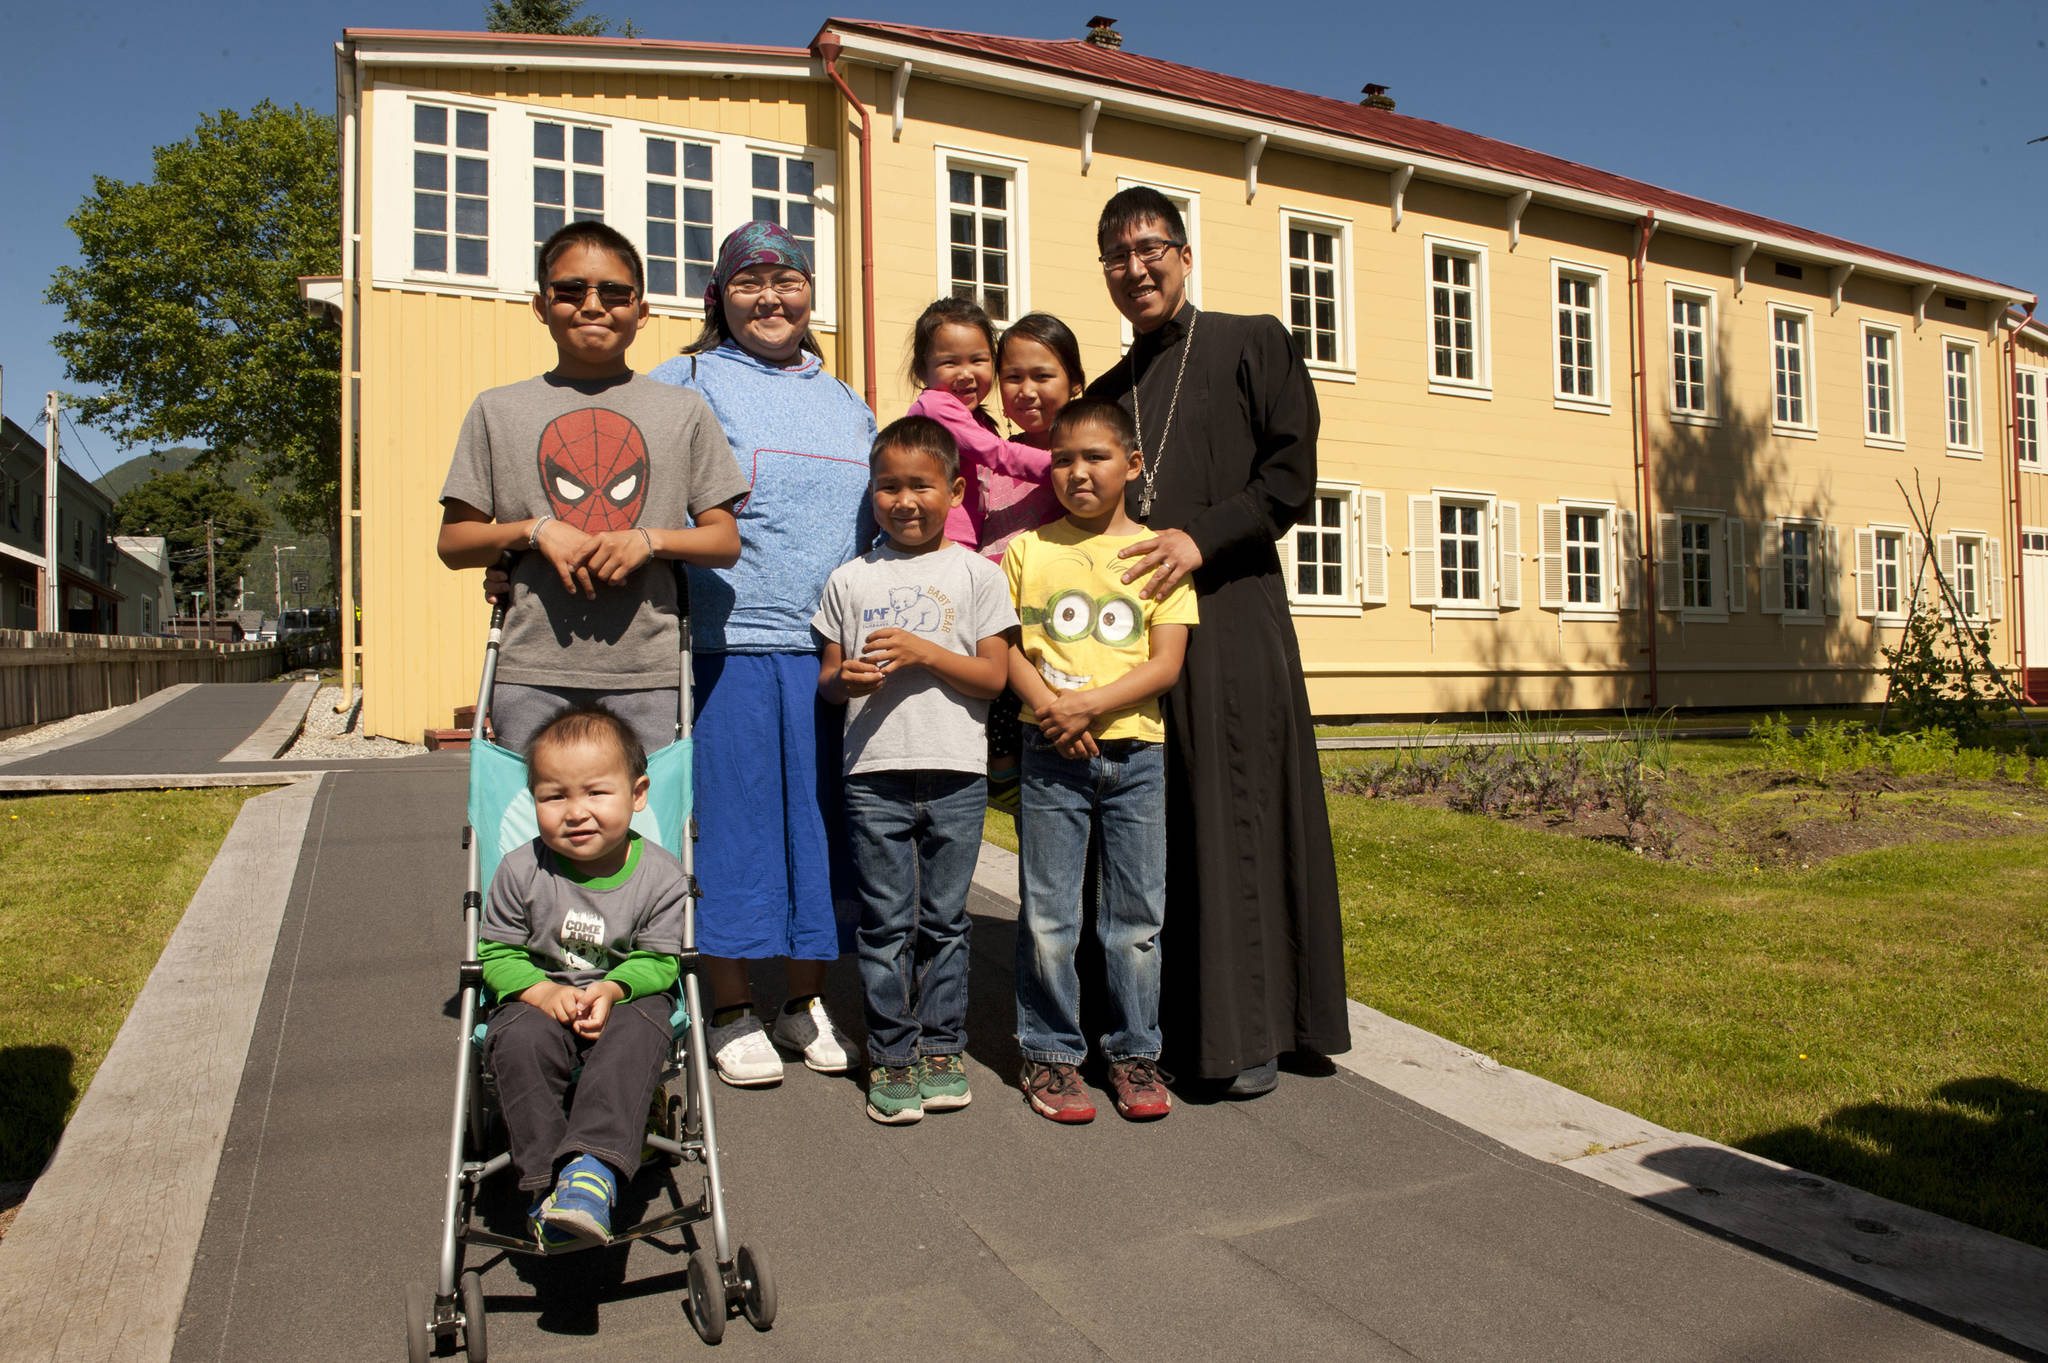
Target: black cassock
[[1252, 951]]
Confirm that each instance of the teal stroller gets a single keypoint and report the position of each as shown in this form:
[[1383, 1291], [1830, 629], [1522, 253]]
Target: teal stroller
[[723, 1279]]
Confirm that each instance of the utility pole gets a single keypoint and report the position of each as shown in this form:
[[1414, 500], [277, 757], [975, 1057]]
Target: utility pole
[[52, 621], [277, 552], [212, 606]]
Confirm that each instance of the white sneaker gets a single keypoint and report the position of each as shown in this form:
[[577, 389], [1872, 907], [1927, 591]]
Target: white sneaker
[[742, 1054], [824, 1046]]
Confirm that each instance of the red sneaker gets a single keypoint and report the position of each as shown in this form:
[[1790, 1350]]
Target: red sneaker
[[1055, 1091], [1140, 1089]]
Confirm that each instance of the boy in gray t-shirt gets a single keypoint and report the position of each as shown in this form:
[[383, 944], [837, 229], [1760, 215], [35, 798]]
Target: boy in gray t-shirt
[[916, 640], [579, 942]]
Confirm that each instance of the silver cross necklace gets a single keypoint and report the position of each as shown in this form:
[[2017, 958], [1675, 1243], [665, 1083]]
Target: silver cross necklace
[[1173, 405]]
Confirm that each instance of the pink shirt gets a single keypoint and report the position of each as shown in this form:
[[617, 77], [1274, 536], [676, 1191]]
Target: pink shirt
[[1005, 479]]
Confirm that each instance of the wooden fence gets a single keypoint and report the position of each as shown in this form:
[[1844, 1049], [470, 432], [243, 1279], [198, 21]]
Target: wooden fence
[[45, 677]]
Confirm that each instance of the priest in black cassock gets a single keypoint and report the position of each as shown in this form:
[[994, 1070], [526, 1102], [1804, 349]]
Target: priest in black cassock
[[1252, 951]]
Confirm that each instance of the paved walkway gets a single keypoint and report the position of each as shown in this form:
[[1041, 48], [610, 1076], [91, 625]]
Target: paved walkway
[[1334, 1219]]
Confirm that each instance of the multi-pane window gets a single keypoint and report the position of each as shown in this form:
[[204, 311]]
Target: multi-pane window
[[1454, 315], [1578, 374], [1959, 363], [1312, 290], [783, 193], [1696, 565], [1584, 533], [979, 218], [1797, 545], [1461, 546], [1968, 582], [451, 206], [2026, 416], [1319, 557], [1888, 555], [1880, 384], [1791, 406], [1689, 321], [568, 176], [679, 235]]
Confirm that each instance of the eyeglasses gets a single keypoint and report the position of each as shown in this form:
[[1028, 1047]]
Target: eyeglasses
[[753, 288], [1148, 252], [571, 292]]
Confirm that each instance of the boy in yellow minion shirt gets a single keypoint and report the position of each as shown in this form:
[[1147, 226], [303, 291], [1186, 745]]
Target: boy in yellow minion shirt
[[1091, 660]]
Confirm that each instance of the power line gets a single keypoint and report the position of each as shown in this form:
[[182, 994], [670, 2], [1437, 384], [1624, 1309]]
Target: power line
[[81, 443]]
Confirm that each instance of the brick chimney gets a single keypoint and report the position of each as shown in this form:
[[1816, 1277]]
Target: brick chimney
[[1102, 32], [1376, 97]]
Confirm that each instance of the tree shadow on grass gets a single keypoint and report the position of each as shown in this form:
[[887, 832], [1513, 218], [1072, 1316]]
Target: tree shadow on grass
[[36, 1092], [1975, 1150]]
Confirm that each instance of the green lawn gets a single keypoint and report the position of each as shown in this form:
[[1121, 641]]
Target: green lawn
[[90, 890]]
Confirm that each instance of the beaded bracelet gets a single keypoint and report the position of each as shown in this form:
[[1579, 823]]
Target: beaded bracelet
[[533, 535]]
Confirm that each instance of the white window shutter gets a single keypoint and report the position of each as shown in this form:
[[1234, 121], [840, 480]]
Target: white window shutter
[[1670, 591], [1994, 577], [1945, 564], [1735, 569], [1287, 561], [1866, 573], [1423, 580], [1831, 570], [1915, 590], [1372, 556], [1508, 533], [1770, 568], [1628, 561], [1550, 556]]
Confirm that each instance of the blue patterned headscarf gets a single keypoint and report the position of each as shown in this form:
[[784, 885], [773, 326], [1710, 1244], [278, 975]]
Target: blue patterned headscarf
[[759, 242]]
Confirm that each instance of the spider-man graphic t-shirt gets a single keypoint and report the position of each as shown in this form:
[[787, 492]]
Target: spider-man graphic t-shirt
[[601, 455]]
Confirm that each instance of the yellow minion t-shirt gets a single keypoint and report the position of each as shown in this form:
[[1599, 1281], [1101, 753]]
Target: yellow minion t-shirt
[[1083, 626]]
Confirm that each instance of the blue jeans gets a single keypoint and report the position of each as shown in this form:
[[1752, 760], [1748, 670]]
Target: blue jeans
[[916, 837], [1122, 793]]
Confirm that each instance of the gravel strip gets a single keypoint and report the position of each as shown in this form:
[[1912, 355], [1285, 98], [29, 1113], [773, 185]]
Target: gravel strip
[[328, 736], [56, 728]]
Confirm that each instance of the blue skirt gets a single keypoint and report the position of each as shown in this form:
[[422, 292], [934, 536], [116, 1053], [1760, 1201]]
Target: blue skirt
[[771, 827]]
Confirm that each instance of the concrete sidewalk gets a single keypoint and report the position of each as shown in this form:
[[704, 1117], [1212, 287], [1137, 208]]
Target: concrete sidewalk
[[1333, 1219]]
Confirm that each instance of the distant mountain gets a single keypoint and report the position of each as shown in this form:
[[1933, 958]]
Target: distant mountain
[[311, 555]]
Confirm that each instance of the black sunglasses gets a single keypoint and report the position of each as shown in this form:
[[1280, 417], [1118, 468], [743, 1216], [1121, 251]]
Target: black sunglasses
[[572, 292]]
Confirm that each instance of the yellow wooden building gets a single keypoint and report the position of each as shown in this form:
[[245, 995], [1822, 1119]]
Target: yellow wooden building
[[1587, 442]]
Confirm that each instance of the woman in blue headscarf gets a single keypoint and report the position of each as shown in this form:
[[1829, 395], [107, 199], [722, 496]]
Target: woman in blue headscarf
[[768, 765]]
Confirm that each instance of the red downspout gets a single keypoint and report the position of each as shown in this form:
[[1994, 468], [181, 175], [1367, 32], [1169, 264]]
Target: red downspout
[[827, 47], [2018, 556], [1645, 505]]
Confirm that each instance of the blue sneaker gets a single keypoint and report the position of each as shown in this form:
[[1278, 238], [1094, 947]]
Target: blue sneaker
[[544, 1235], [582, 1202]]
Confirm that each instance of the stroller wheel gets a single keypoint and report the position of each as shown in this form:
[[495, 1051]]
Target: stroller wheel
[[418, 1340], [707, 1297], [757, 1288], [473, 1341]]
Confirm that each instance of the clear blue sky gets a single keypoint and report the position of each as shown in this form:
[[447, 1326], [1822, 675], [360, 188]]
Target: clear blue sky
[[1902, 126]]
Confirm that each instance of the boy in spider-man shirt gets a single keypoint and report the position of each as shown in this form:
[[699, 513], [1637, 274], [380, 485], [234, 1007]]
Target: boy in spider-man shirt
[[597, 471]]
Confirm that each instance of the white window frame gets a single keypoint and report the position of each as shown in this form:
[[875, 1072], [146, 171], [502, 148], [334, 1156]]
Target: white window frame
[[1869, 601], [1710, 376], [1362, 541], [1620, 572], [946, 159], [1480, 385], [1971, 446], [1500, 554], [1344, 367], [1807, 425], [1601, 399], [1823, 576], [682, 185], [1988, 574], [1895, 410], [2030, 385], [1727, 567], [403, 193], [1189, 202], [511, 258]]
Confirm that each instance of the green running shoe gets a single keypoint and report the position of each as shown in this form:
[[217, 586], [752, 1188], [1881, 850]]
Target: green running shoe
[[942, 1082], [893, 1097]]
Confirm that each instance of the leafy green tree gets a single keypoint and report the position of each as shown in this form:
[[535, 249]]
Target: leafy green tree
[[177, 506], [185, 307], [549, 16]]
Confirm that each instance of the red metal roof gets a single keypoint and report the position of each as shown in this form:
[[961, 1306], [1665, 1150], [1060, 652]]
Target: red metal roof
[[1149, 75]]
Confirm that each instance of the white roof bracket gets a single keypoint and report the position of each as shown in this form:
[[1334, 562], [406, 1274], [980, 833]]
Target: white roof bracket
[[1089, 113], [1516, 207], [1837, 277], [1921, 293], [897, 87], [1738, 263], [1253, 150], [1397, 187]]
